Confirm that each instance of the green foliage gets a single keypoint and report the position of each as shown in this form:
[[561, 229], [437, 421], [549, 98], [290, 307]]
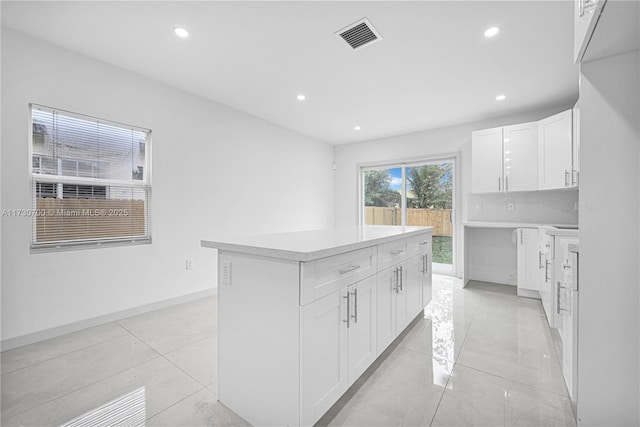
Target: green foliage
[[431, 185], [377, 191]]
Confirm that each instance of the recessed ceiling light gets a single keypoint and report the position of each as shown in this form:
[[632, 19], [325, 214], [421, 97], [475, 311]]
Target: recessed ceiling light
[[500, 97], [357, 128], [181, 32], [301, 97], [492, 31]]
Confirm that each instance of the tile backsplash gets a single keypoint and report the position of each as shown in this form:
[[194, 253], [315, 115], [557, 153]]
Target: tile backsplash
[[548, 207]]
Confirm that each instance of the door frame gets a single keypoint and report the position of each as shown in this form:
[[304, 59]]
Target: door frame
[[455, 158]]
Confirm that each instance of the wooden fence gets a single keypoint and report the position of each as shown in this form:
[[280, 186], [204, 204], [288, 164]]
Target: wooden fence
[[71, 219], [440, 219]]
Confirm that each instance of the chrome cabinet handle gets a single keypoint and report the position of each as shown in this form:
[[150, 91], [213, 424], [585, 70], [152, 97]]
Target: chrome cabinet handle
[[348, 269], [574, 177], [521, 238], [558, 298], [539, 260], [396, 252], [348, 309], [498, 183], [566, 178], [546, 270], [395, 279], [355, 305], [506, 183], [423, 243]]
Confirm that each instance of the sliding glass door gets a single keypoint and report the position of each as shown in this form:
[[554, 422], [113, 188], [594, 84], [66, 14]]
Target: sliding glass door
[[414, 194]]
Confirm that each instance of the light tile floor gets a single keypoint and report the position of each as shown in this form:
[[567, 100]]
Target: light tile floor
[[479, 356]]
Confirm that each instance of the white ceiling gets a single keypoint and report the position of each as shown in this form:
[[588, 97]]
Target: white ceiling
[[433, 67]]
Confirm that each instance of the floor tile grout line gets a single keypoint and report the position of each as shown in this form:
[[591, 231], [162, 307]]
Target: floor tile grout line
[[83, 387], [179, 401], [70, 352]]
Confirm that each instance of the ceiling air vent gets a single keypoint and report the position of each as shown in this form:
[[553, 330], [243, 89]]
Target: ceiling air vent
[[359, 34]]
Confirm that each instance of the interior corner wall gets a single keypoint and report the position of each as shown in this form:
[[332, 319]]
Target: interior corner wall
[[417, 146], [609, 288], [215, 170]]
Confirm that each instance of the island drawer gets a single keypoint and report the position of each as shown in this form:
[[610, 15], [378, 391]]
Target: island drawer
[[392, 253], [327, 275], [419, 244]]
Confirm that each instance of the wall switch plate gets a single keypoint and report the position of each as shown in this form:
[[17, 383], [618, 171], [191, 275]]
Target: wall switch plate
[[189, 265], [511, 206], [226, 272]]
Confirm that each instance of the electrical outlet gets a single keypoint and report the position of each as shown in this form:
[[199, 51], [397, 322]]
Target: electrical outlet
[[189, 265], [511, 206], [226, 272]]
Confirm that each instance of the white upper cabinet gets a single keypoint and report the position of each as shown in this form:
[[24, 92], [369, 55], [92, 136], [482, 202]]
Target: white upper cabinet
[[487, 163], [555, 152], [505, 158], [520, 154], [585, 14]]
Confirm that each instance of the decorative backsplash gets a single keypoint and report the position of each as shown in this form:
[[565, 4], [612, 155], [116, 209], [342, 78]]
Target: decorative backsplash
[[548, 207]]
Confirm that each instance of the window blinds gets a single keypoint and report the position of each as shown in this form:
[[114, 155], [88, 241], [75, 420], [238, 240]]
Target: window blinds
[[90, 180]]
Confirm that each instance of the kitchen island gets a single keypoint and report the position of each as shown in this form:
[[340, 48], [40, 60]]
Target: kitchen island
[[302, 315]]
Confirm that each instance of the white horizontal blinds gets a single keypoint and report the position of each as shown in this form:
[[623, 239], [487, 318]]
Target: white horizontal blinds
[[90, 180]]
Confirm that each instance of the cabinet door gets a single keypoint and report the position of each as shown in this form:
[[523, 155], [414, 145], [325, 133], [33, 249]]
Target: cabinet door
[[361, 330], [415, 274], [555, 151], [575, 157], [386, 322], [521, 157], [486, 161], [324, 354], [427, 279], [403, 314], [529, 260]]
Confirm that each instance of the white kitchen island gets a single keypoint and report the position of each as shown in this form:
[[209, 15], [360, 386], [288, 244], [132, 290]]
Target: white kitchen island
[[302, 315]]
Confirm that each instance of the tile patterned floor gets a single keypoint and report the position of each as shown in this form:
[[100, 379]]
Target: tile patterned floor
[[479, 356]]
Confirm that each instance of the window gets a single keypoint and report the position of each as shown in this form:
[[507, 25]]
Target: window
[[413, 194], [90, 180]]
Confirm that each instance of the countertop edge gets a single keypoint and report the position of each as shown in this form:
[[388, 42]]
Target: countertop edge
[[308, 256]]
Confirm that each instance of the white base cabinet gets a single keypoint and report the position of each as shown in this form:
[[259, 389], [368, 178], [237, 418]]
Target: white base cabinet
[[529, 262], [293, 336]]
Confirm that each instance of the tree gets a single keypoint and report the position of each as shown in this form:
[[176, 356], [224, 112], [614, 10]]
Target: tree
[[432, 186], [377, 189]]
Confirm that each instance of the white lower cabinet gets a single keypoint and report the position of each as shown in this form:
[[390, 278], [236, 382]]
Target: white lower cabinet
[[295, 335], [338, 345], [528, 262]]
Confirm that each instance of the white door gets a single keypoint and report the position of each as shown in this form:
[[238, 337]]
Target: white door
[[324, 354], [521, 157], [386, 321], [427, 280], [547, 288], [529, 261], [486, 161], [403, 315], [362, 327], [555, 151], [415, 272]]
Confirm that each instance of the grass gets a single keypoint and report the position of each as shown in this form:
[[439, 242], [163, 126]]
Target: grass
[[442, 249]]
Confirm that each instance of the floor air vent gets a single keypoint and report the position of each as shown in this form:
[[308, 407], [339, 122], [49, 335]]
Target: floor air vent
[[359, 34]]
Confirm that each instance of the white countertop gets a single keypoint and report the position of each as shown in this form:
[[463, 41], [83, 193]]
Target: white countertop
[[548, 228], [313, 244]]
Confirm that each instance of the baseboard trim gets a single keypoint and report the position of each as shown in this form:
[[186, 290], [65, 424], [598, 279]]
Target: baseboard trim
[[45, 334]]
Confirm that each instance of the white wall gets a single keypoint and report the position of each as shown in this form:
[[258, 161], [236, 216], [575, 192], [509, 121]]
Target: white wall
[[214, 170], [609, 324], [417, 146]]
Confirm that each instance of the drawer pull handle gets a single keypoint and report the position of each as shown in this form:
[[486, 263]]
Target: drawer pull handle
[[349, 269], [355, 305], [426, 242], [348, 308], [397, 252]]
